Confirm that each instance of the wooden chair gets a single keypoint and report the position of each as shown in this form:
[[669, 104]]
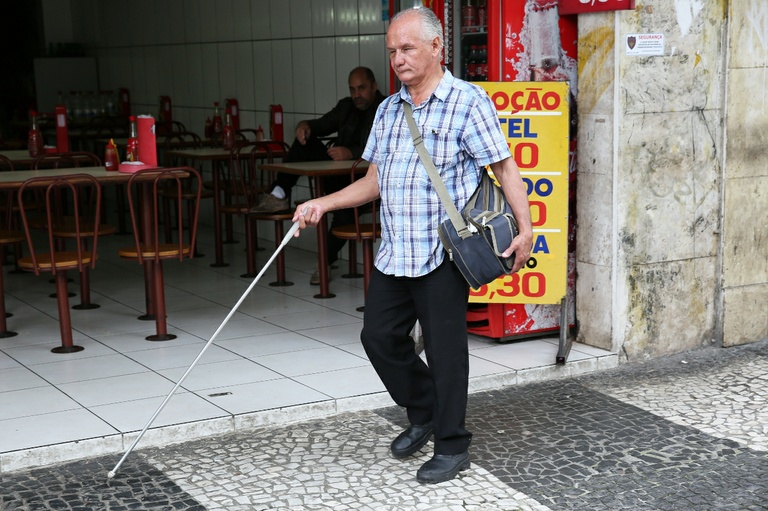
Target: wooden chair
[[83, 193], [147, 186], [362, 232]]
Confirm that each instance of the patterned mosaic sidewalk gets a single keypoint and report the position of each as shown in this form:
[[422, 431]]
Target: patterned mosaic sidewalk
[[688, 432]]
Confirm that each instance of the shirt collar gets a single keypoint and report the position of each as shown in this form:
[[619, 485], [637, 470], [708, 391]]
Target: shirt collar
[[440, 92]]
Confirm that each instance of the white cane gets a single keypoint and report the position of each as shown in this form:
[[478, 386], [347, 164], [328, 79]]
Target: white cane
[[283, 243]]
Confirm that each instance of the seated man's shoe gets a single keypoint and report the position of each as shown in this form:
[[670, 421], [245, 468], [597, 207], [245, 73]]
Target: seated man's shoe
[[443, 467], [314, 280], [270, 204], [411, 440]]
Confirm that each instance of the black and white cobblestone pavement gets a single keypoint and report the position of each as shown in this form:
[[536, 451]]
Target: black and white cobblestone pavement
[[684, 433]]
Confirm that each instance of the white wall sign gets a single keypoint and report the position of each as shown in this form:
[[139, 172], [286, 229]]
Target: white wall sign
[[644, 44]]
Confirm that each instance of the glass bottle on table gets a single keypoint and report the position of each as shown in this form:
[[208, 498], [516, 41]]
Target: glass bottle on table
[[228, 133], [35, 139], [132, 148], [217, 124]]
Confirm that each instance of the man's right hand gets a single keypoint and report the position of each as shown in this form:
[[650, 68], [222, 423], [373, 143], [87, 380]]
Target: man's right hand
[[303, 132], [308, 214]]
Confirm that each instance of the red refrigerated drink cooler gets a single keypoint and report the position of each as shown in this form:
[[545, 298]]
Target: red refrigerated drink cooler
[[503, 41]]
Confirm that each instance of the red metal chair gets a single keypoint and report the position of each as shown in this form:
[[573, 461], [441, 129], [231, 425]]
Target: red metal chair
[[72, 159], [83, 193], [180, 140], [147, 185], [65, 229], [362, 232]]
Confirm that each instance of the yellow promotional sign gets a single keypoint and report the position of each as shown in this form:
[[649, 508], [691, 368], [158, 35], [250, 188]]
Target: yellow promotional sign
[[534, 118]]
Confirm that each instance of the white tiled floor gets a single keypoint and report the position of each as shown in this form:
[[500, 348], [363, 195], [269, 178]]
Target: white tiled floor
[[284, 355]]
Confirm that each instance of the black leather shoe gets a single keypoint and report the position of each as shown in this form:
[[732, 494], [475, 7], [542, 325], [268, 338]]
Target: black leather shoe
[[443, 467], [411, 440]]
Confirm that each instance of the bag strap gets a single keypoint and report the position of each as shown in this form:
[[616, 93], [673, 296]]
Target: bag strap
[[418, 142]]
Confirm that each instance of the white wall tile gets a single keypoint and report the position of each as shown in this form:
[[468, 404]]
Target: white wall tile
[[347, 58], [346, 17], [260, 19], [207, 20], [280, 18], [241, 18], [227, 73], [224, 19], [301, 18], [191, 17], [194, 95], [138, 86], [322, 18], [282, 74], [370, 20], [373, 54], [210, 75], [302, 58], [262, 76], [325, 88], [244, 74]]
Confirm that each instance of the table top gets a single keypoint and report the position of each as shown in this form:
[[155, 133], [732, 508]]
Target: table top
[[18, 156], [315, 168], [14, 179]]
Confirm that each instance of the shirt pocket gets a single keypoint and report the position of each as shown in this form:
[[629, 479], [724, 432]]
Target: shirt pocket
[[442, 145]]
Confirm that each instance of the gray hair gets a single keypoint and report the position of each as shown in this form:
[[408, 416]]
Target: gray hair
[[430, 24]]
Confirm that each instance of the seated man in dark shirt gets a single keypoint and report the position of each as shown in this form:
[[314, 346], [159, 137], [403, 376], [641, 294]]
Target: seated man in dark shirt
[[351, 120]]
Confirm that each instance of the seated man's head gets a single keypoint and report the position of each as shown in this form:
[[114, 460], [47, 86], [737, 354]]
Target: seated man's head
[[362, 87]]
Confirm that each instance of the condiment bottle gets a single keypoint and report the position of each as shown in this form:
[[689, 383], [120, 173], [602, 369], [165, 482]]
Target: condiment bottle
[[259, 133], [132, 148], [35, 140], [111, 159]]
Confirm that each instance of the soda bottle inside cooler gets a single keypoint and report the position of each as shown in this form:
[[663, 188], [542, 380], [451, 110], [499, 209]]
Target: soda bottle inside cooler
[[132, 148], [35, 138]]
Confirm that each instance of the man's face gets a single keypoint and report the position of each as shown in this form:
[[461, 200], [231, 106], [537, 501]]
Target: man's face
[[409, 54], [361, 90]]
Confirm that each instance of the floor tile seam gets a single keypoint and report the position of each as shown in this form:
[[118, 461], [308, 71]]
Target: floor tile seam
[[307, 350]]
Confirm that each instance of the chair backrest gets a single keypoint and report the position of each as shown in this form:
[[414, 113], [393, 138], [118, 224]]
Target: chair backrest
[[5, 163], [81, 193], [178, 140], [72, 159], [145, 186], [369, 208]]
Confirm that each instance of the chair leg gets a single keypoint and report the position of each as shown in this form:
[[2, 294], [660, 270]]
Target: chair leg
[[159, 293], [85, 292], [190, 216], [4, 333], [367, 268], [167, 219], [149, 273], [250, 249], [353, 273], [65, 321], [280, 260]]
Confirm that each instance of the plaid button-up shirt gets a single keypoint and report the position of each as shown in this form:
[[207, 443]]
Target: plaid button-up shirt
[[462, 134]]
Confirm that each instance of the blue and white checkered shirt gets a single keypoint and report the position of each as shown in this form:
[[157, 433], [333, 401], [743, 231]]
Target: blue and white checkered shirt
[[462, 134]]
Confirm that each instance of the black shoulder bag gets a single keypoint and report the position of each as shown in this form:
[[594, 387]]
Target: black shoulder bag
[[476, 237]]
